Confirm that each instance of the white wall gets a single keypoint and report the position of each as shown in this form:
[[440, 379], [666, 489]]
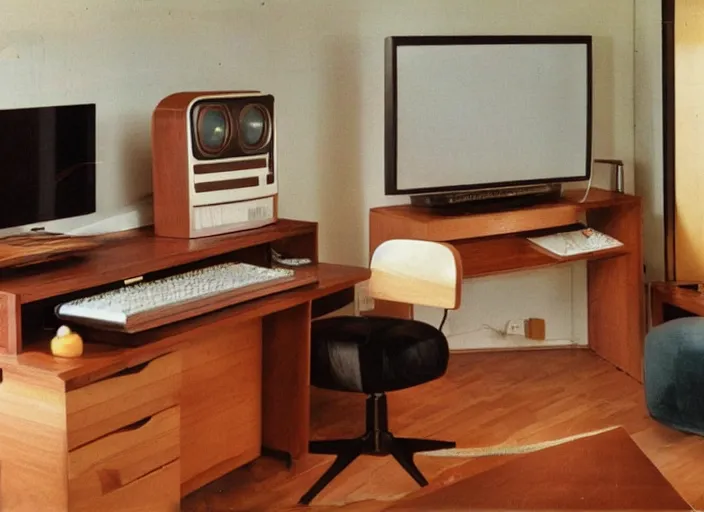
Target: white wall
[[323, 61], [649, 132]]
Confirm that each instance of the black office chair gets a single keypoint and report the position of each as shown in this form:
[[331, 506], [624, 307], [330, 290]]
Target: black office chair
[[374, 355]]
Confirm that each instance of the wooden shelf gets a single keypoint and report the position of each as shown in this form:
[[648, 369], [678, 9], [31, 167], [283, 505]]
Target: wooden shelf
[[109, 352], [135, 253], [425, 224], [28, 294], [488, 256], [195, 307]]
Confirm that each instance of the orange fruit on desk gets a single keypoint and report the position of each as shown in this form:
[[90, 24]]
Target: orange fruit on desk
[[66, 343]]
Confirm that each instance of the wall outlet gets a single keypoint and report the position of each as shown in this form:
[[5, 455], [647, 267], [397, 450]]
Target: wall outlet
[[515, 328], [362, 300]]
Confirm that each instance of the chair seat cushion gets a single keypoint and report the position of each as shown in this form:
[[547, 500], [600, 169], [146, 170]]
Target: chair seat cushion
[[375, 354]]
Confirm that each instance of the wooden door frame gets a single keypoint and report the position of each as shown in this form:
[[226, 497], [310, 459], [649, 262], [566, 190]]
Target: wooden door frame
[[668, 77]]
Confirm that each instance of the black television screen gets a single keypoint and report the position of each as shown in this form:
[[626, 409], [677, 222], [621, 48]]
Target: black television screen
[[47, 164]]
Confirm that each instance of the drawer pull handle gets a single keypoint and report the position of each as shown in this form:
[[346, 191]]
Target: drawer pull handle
[[132, 370], [136, 425], [110, 480]]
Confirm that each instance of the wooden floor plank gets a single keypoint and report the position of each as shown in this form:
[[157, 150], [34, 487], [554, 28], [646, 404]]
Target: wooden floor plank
[[485, 399]]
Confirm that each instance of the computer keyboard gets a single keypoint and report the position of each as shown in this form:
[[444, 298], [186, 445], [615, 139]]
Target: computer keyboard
[[139, 306], [574, 242]]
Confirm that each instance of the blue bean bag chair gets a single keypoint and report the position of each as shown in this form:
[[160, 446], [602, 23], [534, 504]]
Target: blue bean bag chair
[[674, 374]]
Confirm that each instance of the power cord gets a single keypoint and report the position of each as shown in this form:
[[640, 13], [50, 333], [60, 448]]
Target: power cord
[[442, 322], [589, 186], [591, 173], [501, 332]]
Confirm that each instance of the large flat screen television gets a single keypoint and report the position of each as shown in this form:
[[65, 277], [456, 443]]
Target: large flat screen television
[[47, 164], [486, 112]]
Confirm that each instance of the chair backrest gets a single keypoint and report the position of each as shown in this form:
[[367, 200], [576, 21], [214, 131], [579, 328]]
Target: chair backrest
[[417, 272]]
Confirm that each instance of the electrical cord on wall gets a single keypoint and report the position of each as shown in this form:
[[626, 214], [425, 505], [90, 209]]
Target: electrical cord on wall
[[501, 332]]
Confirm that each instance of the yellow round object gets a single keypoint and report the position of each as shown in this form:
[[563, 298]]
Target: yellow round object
[[67, 343]]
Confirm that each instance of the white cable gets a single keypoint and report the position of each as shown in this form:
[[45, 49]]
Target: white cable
[[589, 185], [591, 174]]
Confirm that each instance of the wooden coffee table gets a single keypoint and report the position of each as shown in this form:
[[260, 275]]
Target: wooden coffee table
[[603, 472]]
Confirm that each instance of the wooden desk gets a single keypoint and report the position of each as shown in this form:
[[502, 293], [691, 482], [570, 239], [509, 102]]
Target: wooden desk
[[142, 419], [492, 243]]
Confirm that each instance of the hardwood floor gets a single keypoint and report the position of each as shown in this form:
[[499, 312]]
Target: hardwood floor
[[485, 399]]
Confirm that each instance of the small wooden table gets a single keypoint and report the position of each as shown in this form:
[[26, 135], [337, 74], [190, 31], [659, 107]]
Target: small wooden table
[[671, 300]]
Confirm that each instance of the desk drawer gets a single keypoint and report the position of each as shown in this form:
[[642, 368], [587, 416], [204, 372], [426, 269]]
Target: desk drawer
[[157, 491], [118, 459], [122, 399]]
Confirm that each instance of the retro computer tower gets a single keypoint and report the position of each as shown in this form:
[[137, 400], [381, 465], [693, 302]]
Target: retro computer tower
[[214, 168]]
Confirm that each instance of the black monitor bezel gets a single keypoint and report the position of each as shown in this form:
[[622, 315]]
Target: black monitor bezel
[[391, 107], [91, 202]]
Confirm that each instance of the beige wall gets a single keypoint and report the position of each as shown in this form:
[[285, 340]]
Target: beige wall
[[323, 60], [689, 144], [649, 132]]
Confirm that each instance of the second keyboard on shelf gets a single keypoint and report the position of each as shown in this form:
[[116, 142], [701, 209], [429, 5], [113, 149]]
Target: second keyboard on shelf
[[574, 242], [148, 304]]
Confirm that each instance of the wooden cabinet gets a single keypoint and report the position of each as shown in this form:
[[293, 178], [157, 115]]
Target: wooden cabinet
[[109, 445]]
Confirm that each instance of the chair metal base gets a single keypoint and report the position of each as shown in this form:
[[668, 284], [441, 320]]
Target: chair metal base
[[377, 441]]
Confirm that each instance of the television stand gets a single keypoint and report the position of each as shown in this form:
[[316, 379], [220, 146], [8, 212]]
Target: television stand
[[494, 243]]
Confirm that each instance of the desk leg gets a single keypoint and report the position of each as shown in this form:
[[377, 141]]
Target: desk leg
[[286, 381], [615, 287]]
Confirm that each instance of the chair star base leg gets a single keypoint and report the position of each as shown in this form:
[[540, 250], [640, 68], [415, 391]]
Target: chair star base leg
[[375, 441]]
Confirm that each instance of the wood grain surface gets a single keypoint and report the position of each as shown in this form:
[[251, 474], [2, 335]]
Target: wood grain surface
[[604, 472], [173, 313], [494, 243], [486, 399], [139, 252], [24, 250], [106, 353]]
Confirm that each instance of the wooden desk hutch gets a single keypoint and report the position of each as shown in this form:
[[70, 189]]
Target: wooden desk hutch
[[142, 419]]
